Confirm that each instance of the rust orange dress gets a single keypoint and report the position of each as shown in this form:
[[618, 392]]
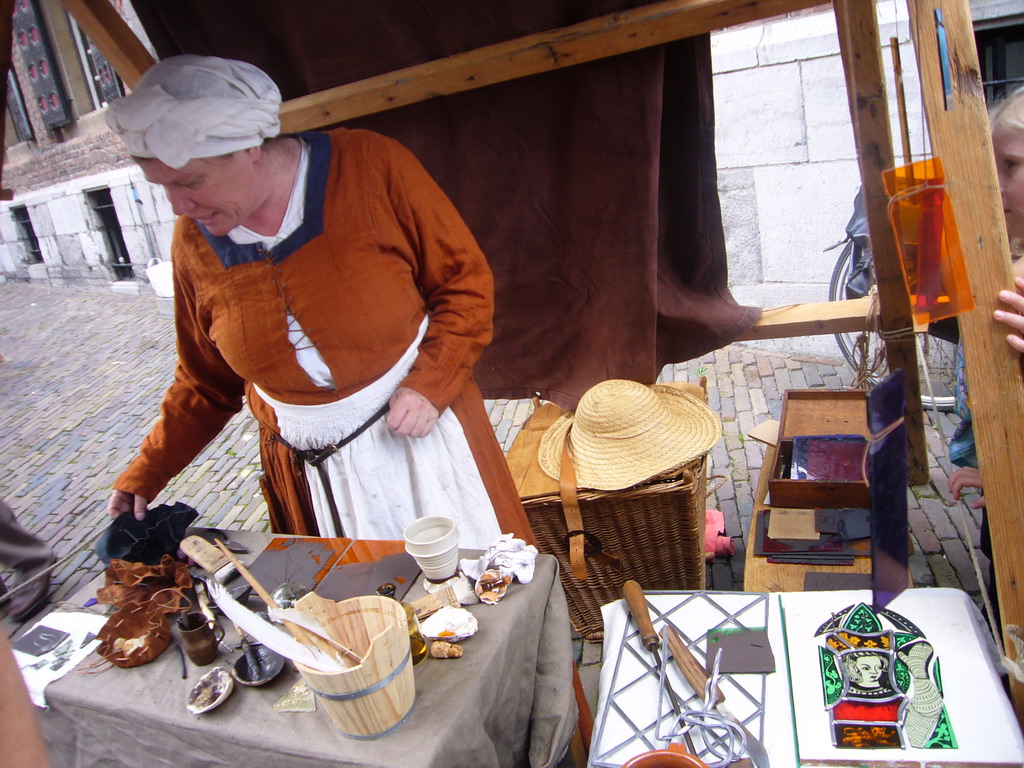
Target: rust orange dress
[[380, 247]]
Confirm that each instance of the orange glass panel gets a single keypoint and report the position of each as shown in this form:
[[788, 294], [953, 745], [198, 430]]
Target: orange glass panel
[[922, 218]]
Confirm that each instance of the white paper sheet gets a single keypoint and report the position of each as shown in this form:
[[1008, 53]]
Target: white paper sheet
[[980, 714], [40, 671]]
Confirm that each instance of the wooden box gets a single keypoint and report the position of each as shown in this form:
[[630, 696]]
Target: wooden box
[[818, 412]]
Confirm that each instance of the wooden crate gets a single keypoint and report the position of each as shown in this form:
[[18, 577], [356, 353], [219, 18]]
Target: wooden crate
[[818, 412]]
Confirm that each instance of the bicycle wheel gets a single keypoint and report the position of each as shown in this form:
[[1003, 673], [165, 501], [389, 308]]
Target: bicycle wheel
[[939, 365], [848, 341], [939, 355]]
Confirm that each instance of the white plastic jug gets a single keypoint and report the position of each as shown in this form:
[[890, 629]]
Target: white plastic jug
[[160, 274]]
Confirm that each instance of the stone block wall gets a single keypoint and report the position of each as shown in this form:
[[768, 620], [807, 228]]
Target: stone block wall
[[74, 248], [786, 156]]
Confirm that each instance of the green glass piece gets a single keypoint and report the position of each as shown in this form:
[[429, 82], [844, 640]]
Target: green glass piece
[[901, 675], [862, 619], [832, 680], [943, 736], [902, 638]]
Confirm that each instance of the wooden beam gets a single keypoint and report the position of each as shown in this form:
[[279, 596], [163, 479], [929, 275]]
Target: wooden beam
[[810, 320], [598, 38], [110, 33], [861, 49], [961, 137]]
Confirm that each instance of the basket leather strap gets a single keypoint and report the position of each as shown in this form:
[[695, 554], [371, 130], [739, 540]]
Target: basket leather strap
[[571, 510], [578, 538]]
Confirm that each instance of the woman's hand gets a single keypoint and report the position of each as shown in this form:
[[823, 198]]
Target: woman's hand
[[122, 501], [411, 413], [966, 477], [1013, 319]]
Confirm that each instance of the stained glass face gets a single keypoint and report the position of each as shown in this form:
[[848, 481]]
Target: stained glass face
[[881, 682]]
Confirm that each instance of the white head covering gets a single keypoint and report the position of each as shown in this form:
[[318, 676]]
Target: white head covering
[[189, 106]]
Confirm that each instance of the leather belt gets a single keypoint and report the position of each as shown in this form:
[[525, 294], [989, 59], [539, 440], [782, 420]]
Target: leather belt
[[582, 543]]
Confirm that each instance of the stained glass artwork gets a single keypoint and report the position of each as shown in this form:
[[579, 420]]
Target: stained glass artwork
[[881, 682]]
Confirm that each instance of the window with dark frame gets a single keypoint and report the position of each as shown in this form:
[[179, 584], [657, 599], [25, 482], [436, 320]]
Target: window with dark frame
[[45, 85], [27, 234], [103, 205], [102, 82], [1001, 55], [16, 109]]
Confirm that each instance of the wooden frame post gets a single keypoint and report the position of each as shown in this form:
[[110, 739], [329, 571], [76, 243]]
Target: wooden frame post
[[960, 136], [861, 48]]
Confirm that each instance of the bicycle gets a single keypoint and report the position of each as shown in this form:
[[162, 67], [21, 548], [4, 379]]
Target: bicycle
[[853, 277]]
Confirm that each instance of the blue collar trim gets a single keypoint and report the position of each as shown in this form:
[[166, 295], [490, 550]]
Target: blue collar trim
[[232, 254]]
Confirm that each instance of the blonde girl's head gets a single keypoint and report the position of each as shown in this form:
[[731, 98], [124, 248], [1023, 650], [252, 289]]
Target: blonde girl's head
[[1007, 119], [1008, 112]]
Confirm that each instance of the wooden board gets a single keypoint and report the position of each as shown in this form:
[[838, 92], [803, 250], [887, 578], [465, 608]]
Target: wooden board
[[860, 49], [529, 478], [960, 136], [824, 412], [598, 38], [850, 316]]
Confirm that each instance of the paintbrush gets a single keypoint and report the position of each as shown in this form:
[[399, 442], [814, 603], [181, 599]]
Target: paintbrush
[[209, 558]]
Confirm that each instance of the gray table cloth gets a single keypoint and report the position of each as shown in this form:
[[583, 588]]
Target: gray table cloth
[[507, 702]]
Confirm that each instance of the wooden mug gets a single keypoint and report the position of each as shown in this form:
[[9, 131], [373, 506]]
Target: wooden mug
[[199, 638]]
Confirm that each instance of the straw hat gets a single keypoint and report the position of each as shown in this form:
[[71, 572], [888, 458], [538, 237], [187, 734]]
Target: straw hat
[[624, 432]]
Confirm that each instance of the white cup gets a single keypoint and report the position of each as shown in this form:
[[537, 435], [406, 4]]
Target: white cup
[[434, 544]]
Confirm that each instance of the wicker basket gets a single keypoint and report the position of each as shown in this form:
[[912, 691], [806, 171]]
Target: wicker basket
[[657, 529]]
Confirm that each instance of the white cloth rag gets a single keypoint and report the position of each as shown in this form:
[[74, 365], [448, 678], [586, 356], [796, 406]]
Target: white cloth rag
[[509, 555]]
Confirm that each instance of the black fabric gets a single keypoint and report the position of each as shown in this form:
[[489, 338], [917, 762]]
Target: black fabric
[[147, 540], [592, 189]]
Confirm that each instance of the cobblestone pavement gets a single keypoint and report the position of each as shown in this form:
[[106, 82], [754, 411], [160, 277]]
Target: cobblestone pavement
[[83, 372]]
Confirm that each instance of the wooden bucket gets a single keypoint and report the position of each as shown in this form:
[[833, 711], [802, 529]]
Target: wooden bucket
[[374, 698]]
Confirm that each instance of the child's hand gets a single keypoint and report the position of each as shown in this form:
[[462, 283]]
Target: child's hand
[[966, 477], [1013, 318]]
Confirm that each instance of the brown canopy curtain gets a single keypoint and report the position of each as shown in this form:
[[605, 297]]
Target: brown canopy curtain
[[591, 189]]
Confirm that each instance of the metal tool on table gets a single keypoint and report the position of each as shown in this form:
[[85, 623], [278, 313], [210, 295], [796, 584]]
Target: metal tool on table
[[633, 594], [699, 680], [213, 534]]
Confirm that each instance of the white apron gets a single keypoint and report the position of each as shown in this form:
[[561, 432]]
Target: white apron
[[381, 481]]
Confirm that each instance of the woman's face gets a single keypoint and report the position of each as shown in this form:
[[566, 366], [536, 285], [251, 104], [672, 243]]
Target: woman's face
[[1008, 143], [218, 192]]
